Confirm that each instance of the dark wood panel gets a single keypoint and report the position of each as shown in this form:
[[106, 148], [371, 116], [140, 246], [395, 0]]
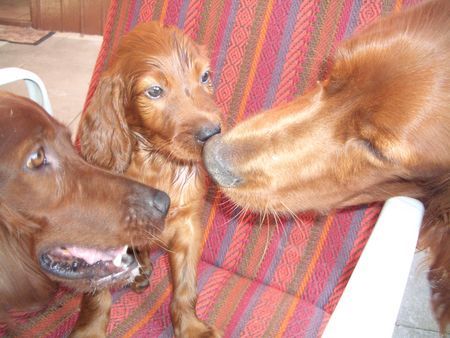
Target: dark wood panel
[[83, 16], [15, 13], [92, 14], [70, 14]]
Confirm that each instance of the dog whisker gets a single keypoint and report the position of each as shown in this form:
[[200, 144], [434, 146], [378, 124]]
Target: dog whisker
[[159, 242]]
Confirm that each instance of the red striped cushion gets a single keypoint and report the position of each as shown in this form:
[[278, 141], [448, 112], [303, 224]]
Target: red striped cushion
[[257, 277]]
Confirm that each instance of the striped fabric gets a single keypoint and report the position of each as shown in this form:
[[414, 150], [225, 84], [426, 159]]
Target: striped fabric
[[257, 277]]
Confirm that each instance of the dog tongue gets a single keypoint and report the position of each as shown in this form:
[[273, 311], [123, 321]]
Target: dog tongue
[[92, 256]]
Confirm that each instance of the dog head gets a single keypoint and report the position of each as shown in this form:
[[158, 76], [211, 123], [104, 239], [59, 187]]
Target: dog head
[[157, 90], [373, 129], [67, 216]]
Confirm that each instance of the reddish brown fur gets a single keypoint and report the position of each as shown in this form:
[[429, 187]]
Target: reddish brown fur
[[377, 127], [64, 202], [155, 142]]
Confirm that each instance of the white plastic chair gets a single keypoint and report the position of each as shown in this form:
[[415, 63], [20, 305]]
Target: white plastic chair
[[36, 88], [371, 301]]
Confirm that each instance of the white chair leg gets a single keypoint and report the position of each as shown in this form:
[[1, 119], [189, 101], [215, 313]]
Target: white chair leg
[[370, 303]]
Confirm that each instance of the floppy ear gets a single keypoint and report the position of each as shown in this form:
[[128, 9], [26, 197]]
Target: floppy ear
[[104, 134]]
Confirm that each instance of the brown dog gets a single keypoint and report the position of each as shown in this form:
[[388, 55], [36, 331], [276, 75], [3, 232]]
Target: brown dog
[[149, 118], [60, 220], [377, 127]]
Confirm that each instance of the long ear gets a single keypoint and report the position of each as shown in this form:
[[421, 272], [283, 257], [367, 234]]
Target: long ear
[[104, 134]]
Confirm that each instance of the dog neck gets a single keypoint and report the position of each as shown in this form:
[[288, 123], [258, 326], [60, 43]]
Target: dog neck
[[184, 182]]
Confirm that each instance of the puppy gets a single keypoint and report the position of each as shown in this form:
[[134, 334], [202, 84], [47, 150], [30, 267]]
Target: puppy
[[376, 127], [151, 114], [60, 220]]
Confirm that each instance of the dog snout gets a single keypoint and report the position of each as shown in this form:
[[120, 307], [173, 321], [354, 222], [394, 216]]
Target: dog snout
[[161, 202], [149, 202], [217, 161], [207, 131]]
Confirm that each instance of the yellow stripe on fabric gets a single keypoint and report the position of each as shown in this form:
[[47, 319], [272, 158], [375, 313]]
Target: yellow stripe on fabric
[[308, 274], [210, 221], [253, 68], [150, 313], [398, 5], [164, 11]]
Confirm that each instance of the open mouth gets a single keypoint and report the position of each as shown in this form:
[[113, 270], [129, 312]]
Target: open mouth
[[97, 267]]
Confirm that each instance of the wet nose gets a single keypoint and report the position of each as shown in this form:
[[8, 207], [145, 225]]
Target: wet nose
[[207, 131], [161, 202], [218, 162]]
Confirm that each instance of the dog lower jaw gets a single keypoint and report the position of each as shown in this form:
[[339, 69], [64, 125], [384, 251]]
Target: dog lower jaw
[[87, 268]]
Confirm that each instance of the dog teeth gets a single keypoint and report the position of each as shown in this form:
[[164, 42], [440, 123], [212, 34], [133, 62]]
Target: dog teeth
[[118, 260], [121, 258], [127, 260]]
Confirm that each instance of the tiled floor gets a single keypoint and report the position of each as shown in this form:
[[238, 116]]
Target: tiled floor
[[65, 63]]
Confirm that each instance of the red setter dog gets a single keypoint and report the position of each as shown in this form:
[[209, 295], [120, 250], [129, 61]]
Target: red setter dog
[[61, 222], [149, 118], [376, 127]]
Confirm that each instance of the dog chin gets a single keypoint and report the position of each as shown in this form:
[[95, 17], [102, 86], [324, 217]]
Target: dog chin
[[187, 152], [85, 269]]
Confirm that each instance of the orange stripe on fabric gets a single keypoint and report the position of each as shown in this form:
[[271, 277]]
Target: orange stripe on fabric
[[253, 68], [256, 257], [262, 313], [398, 5], [235, 289], [101, 58], [208, 296], [37, 330], [150, 313], [235, 250], [191, 23], [119, 30], [298, 50], [163, 11], [212, 25], [209, 223], [326, 40], [312, 264]]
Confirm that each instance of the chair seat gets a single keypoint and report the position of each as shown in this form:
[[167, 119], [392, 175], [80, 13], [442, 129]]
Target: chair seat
[[241, 307]]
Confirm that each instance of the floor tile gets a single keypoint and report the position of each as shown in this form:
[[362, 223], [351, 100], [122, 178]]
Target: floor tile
[[407, 332], [64, 62]]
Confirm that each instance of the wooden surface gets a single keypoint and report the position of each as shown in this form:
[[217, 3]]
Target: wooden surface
[[15, 13], [83, 16]]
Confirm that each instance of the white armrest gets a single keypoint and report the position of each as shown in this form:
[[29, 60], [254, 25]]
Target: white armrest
[[370, 303], [36, 88]]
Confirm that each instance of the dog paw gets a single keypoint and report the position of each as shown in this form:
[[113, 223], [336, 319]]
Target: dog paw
[[199, 329], [141, 281], [211, 332], [87, 332]]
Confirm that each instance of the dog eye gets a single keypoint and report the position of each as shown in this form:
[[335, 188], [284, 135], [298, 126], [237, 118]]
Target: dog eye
[[37, 159], [205, 77], [154, 92]]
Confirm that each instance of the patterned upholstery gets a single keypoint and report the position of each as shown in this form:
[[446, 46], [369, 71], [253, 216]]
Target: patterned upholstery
[[257, 277]]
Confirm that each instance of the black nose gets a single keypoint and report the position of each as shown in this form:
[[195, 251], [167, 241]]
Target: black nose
[[207, 131], [161, 202]]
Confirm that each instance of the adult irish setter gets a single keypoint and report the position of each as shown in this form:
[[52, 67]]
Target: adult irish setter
[[376, 127], [61, 220], [149, 118]]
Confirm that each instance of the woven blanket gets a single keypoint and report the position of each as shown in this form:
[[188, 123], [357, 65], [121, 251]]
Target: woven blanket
[[258, 277]]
